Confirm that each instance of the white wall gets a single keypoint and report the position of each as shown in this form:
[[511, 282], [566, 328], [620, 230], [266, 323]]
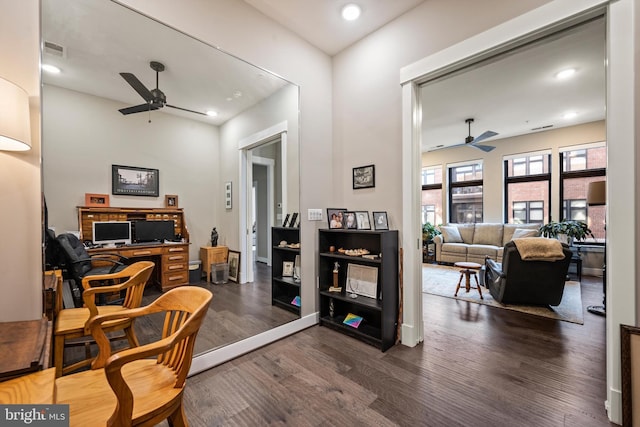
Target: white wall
[[20, 196], [83, 135]]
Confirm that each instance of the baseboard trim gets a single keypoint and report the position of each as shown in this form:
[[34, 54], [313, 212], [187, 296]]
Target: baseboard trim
[[213, 358], [409, 336]]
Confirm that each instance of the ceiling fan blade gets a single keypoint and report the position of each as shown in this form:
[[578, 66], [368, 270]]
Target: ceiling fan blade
[[485, 148], [487, 134], [184, 109], [139, 108], [138, 86]]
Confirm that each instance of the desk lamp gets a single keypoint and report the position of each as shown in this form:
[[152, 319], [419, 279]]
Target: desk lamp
[[15, 132], [597, 196]]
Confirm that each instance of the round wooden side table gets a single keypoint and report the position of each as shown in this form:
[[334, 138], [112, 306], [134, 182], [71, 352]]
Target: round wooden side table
[[468, 269]]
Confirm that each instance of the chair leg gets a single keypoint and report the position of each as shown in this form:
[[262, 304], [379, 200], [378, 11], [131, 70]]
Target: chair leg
[[178, 418], [478, 286], [58, 354], [131, 337], [458, 287]]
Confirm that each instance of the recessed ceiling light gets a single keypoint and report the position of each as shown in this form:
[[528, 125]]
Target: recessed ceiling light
[[212, 113], [50, 68], [351, 12], [570, 115], [565, 74]]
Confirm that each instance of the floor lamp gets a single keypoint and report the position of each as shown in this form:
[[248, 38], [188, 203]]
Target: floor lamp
[[597, 196]]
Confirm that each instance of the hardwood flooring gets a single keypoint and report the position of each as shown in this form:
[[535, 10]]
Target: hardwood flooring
[[478, 366]]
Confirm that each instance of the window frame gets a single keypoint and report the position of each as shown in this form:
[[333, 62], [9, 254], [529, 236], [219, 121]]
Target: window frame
[[520, 179]]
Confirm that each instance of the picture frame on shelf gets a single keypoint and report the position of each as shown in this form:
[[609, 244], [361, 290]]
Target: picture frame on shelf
[[233, 258], [350, 222], [362, 220], [96, 200], [362, 280], [380, 221], [335, 217], [364, 177], [135, 181], [286, 220], [170, 201], [287, 269], [294, 219]]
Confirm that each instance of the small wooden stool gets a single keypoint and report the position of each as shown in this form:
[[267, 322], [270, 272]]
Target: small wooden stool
[[468, 270]]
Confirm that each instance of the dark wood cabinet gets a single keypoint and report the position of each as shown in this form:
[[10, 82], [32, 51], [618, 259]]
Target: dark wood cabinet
[[284, 285], [379, 314]]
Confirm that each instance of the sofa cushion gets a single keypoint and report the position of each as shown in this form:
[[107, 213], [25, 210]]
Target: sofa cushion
[[488, 234], [450, 234], [519, 233], [510, 228], [455, 248], [466, 232], [490, 250]]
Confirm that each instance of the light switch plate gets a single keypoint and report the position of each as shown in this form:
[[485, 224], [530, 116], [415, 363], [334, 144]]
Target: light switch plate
[[314, 214]]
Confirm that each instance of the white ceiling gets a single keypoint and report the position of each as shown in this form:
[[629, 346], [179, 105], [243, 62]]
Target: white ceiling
[[320, 23], [511, 96]]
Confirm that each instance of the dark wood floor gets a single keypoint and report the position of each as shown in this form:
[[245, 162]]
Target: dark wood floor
[[478, 366]]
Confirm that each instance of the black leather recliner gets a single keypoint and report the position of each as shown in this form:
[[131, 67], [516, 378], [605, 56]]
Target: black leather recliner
[[515, 281], [78, 263]]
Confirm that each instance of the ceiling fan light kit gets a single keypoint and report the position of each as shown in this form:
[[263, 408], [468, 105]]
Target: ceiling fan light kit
[[155, 99]]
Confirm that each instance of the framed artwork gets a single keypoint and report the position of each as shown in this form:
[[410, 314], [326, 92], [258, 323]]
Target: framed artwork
[[364, 177], [287, 269], [350, 220], [134, 181], [96, 200], [170, 201], [362, 220], [362, 280], [294, 219], [286, 220], [335, 217], [227, 195], [630, 369], [234, 265], [380, 221]]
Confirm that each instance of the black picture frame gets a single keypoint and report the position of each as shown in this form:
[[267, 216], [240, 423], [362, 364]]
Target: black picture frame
[[334, 223], [362, 220], [286, 220], [364, 177], [629, 344], [349, 220], [233, 258], [294, 218], [135, 181], [380, 220]]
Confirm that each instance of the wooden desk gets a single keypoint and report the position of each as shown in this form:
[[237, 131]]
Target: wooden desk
[[171, 259], [26, 347], [212, 255]]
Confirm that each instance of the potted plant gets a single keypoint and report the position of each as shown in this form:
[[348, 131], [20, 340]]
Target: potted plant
[[429, 231], [567, 230]]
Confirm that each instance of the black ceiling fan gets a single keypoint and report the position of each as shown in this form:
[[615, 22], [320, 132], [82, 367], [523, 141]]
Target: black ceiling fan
[[474, 141], [155, 99]]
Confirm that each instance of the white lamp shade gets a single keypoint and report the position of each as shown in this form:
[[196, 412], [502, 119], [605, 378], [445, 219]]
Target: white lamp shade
[[15, 130]]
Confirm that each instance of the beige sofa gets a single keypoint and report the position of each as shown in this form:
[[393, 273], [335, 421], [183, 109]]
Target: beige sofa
[[474, 242]]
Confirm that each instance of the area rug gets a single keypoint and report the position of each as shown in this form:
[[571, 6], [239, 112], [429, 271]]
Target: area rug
[[442, 280]]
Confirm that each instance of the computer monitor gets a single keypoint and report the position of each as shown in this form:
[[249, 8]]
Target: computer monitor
[[112, 232], [153, 231]]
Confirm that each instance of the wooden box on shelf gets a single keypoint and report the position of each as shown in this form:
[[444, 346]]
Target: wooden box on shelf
[[379, 315], [285, 287]]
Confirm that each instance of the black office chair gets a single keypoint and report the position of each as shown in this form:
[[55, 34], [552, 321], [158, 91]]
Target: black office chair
[[78, 263]]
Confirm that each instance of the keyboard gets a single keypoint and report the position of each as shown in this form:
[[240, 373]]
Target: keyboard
[[144, 244]]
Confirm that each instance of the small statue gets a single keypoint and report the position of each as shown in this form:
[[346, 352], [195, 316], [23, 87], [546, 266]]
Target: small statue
[[335, 287], [214, 237]]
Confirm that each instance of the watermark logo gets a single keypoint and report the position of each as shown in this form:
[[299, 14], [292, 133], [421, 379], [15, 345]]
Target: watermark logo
[[34, 415]]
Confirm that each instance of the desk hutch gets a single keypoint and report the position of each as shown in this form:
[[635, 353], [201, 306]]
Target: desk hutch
[[172, 259]]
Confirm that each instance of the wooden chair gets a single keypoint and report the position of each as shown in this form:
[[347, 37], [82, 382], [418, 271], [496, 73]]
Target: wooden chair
[[72, 323], [128, 388]]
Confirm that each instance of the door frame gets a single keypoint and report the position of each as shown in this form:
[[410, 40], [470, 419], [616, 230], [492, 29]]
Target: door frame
[[270, 165]]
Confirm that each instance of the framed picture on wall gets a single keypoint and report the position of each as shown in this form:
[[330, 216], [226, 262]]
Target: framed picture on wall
[[134, 181], [227, 195], [170, 201], [364, 177]]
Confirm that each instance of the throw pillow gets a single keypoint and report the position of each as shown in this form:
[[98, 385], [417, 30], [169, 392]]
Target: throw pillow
[[450, 234], [523, 232]]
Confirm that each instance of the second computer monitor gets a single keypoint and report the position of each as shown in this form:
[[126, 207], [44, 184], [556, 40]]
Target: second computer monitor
[[154, 231]]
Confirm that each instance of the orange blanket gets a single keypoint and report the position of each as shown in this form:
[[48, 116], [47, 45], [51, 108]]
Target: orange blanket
[[539, 249]]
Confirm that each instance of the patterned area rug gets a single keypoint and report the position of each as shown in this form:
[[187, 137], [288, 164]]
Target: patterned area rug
[[442, 280]]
